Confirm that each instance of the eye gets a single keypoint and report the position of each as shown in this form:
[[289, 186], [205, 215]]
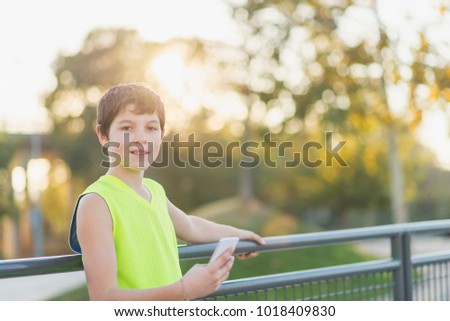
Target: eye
[[126, 128], [152, 128]]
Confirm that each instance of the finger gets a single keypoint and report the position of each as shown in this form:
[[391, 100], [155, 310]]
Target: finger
[[248, 255], [258, 239], [223, 258], [224, 271], [242, 256]]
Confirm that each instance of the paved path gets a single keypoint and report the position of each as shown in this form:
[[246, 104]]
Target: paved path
[[42, 287], [419, 245]]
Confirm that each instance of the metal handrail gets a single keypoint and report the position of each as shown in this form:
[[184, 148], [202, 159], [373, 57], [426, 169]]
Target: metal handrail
[[73, 262], [284, 279]]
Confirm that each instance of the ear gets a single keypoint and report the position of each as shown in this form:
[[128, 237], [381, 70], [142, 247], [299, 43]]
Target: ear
[[101, 138]]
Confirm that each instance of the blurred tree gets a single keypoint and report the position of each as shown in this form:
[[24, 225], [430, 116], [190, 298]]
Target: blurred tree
[[296, 72], [109, 57], [434, 200], [9, 144], [341, 72]]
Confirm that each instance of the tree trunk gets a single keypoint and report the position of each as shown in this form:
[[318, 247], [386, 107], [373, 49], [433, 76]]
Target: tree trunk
[[245, 176], [397, 181]]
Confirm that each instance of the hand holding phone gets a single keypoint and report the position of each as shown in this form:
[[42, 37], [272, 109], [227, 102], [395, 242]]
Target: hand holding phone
[[224, 244]]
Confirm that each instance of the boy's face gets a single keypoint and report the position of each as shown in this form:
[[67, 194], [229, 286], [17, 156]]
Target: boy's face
[[134, 139]]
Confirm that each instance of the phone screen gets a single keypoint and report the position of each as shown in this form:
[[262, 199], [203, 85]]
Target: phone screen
[[223, 244]]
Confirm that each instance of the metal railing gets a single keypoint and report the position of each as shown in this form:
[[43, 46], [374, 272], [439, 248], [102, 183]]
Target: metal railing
[[398, 277]]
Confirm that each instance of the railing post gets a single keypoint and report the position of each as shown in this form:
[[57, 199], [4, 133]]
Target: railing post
[[407, 266], [401, 250], [396, 252]]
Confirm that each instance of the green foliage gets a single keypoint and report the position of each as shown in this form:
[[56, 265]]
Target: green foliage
[[107, 57], [9, 144], [293, 59], [339, 81], [433, 202]]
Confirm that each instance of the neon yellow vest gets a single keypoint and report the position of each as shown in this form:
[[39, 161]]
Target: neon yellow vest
[[144, 236]]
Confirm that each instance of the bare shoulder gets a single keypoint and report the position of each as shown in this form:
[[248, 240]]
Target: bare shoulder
[[93, 208]]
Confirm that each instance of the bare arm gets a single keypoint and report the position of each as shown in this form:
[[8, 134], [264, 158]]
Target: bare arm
[[94, 228], [193, 229]]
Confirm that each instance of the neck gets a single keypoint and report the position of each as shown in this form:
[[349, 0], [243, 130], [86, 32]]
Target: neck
[[132, 178]]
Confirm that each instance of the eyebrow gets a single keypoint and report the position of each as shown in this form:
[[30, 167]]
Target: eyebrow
[[130, 121]]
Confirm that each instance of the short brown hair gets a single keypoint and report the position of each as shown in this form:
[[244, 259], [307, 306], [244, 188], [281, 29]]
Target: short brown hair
[[118, 97]]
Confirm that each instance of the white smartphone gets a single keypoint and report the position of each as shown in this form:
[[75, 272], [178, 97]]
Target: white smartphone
[[224, 244]]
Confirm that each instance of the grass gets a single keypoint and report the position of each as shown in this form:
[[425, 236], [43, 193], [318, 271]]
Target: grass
[[290, 260]]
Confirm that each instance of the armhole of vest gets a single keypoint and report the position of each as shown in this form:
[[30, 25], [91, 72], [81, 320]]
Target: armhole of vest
[[73, 238]]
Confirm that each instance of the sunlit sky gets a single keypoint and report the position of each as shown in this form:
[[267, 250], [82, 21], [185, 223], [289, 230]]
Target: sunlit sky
[[34, 32]]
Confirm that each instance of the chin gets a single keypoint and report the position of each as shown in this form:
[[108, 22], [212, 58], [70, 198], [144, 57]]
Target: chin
[[136, 167]]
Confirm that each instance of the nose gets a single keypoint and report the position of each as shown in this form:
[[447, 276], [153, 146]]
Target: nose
[[139, 136]]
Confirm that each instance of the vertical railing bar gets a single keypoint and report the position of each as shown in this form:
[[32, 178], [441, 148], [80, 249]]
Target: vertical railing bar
[[417, 280], [429, 283], [374, 286], [350, 284], [319, 290], [364, 290], [422, 281], [432, 287], [401, 250], [380, 284], [447, 281], [425, 282], [439, 268], [407, 266], [362, 282], [447, 296], [435, 282], [360, 287], [327, 289]]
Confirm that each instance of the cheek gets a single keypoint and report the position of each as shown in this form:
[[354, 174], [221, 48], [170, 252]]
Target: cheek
[[155, 141], [119, 137], [114, 149], [114, 143]]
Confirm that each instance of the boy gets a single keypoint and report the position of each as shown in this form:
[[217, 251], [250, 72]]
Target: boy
[[125, 226]]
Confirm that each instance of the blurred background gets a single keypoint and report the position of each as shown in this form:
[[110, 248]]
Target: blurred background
[[376, 74]]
